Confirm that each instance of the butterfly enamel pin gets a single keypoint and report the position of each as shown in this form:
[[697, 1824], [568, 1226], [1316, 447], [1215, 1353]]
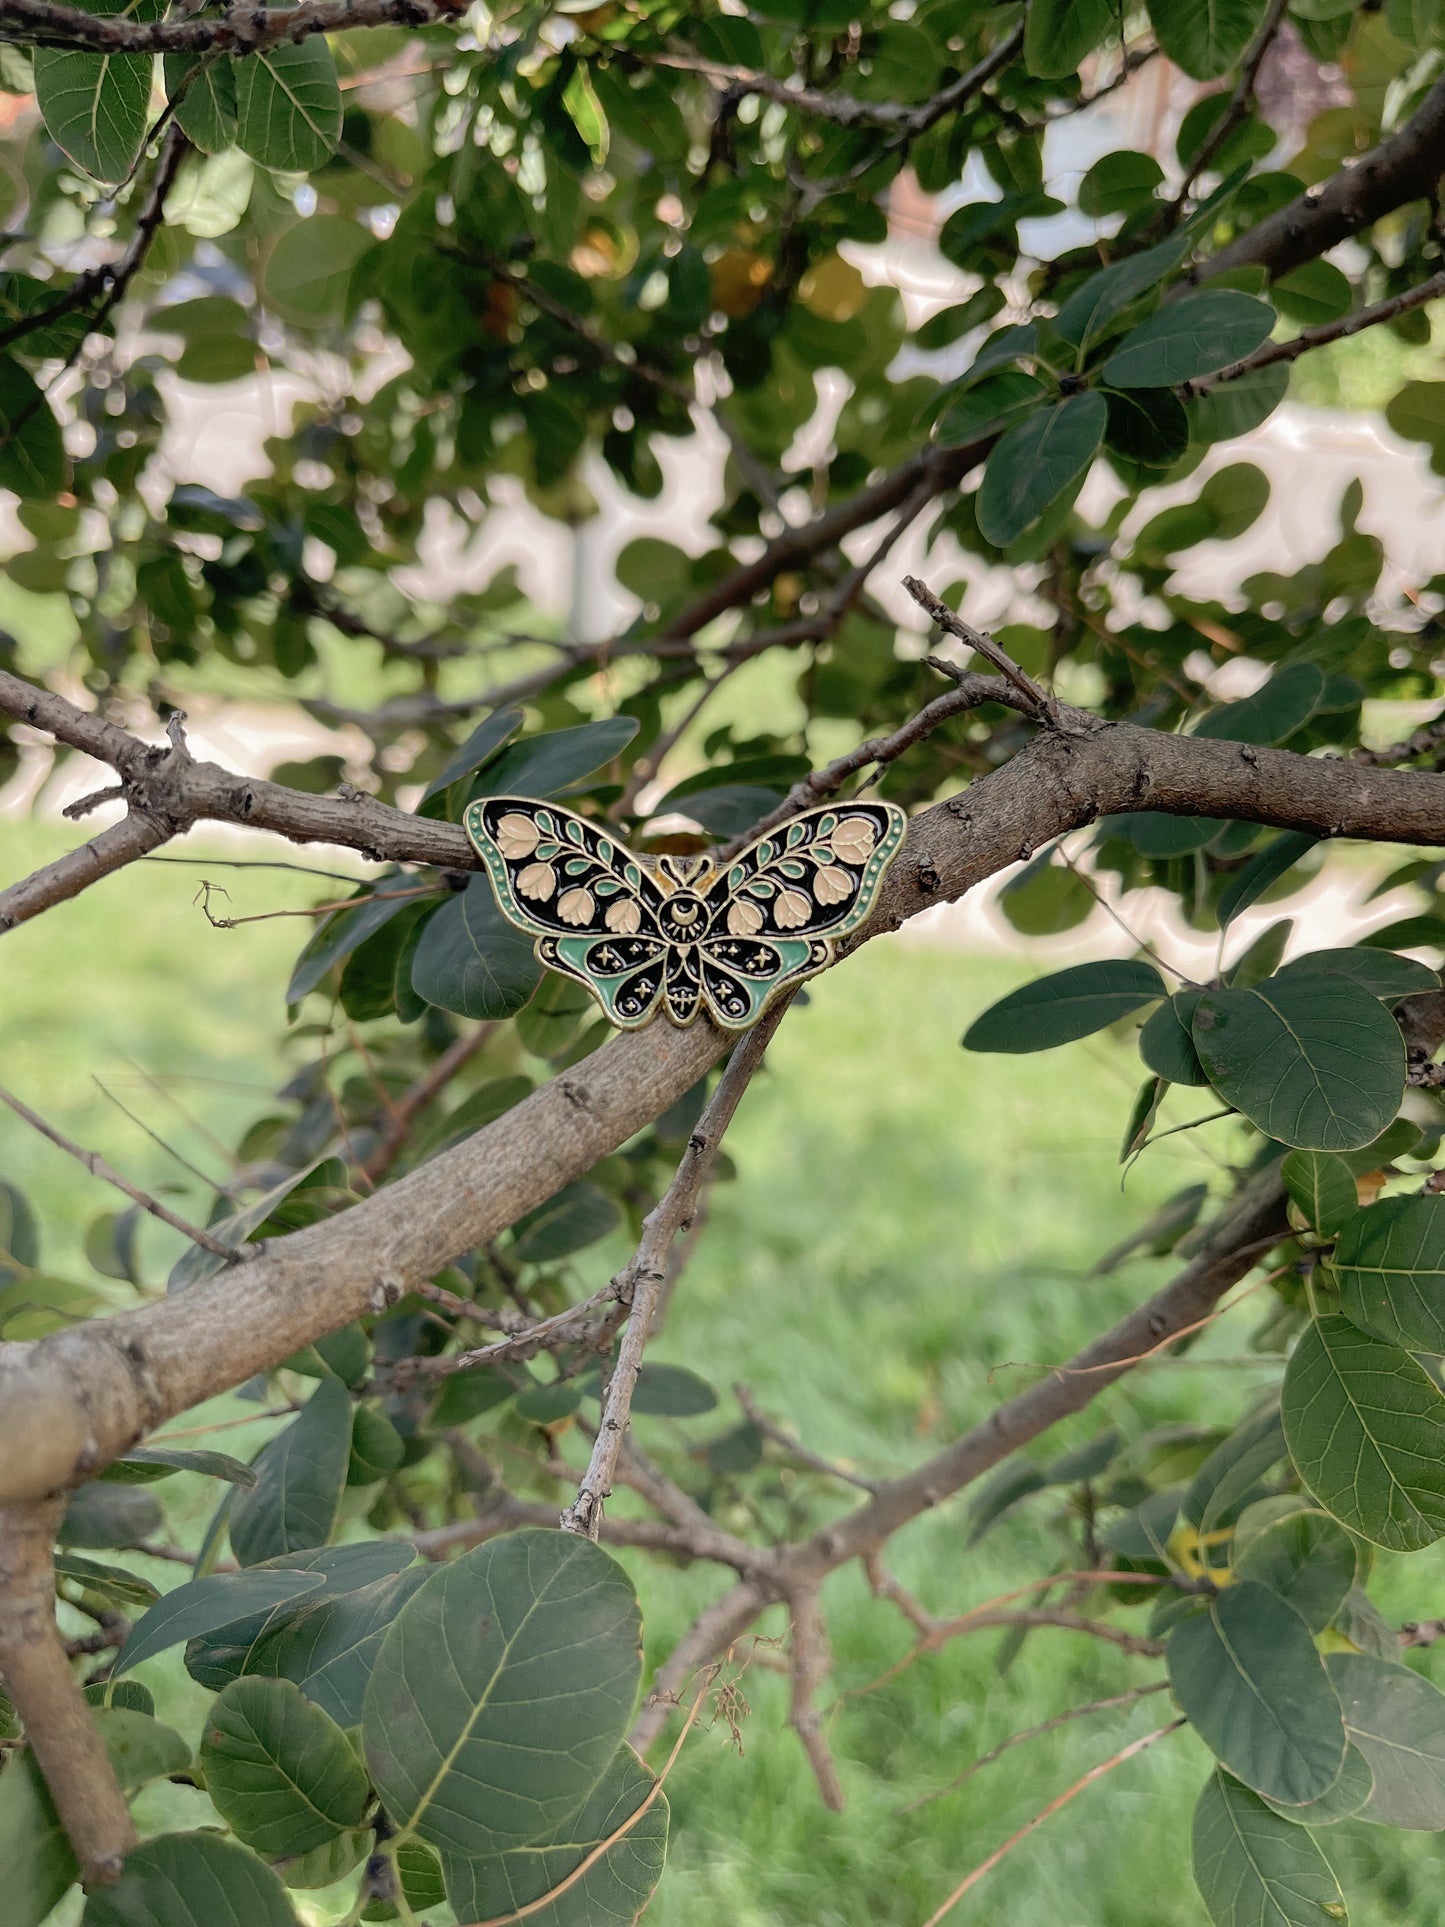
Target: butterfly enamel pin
[[684, 934]]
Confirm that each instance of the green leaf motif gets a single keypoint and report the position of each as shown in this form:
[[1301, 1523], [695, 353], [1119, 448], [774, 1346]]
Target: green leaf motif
[[472, 961], [1397, 1720], [279, 1771], [1248, 1678], [502, 1692], [1205, 37], [1314, 1061], [1365, 1424], [1254, 1869], [1390, 1263], [1308, 1560], [1188, 338], [615, 1888], [1323, 1187], [1035, 462], [300, 1477], [32, 455], [191, 1880], [94, 105], [1059, 1009], [288, 105]]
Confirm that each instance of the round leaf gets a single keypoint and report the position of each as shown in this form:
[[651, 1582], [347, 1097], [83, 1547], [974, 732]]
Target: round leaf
[[191, 1880], [1390, 1262], [502, 1692], [1323, 1186], [1254, 1869], [1315, 1062], [1380, 972], [1397, 1720], [1247, 1676], [279, 1771], [1189, 338], [1071, 1004], [329, 1649], [1308, 1559], [1365, 1424], [288, 105], [94, 105], [1205, 37], [470, 960]]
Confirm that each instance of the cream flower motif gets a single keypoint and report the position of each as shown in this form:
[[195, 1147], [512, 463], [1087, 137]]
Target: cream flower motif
[[745, 919], [517, 836], [624, 916], [853, 840], [792, 910], [575, 906], [832, 885], [538, 880]]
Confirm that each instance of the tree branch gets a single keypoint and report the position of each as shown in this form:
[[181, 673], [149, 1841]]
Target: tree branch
[[241, 30], [1318, 336]]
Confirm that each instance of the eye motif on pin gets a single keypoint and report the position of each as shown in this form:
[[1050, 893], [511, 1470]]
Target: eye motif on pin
[[684, 934]]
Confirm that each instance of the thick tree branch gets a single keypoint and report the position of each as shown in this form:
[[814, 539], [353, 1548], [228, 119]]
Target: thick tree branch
[[46, 1695], [68, 875], [240, 30]]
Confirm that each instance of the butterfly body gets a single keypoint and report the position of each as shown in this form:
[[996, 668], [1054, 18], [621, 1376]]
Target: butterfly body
[[684, 934]]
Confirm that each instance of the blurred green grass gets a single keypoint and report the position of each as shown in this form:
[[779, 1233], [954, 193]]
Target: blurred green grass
[[908, 1242]]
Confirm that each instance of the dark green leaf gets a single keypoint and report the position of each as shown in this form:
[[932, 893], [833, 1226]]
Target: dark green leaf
[[1344, 1799], [1380, 972], [143, 1464], [32, 456], [1148, 426], [113, 1584], [577, 1217], [542, 1639], [202, 1605], [328, 1649], [1035, 463], [1366, 1429], [1205, 37], [672, 1391], [1250, 884], [1059, 33], [1254, 1869], [615, 1889], [1315, 1062], [94, 105], [108, 1515], [1390, 1262], [1086, 314], [1323, 1186], [1188, 338], [1236, 407], [1397, 1720], [988, 406], [546, 765], [207, 110], [1229, 1475], [341, 933], [231, 1648], [1308, 1559], [1071, 1004], [300, 1476], [288, 105], [1275, 711], [1248, 1678], [485, 740], [377, 1448], [191, 1880], [1165, 1042], [35, 1850], [472, 961], [279, 1771]]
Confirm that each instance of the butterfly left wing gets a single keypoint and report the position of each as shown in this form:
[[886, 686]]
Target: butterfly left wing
[[777, 910]]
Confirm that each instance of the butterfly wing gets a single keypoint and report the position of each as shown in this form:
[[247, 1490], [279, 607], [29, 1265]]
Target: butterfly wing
[[776, 912], [586, 899]]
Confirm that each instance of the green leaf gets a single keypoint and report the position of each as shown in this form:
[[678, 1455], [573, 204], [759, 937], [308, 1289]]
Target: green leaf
[[108, 1515], [1275, 711], [1308, 1559], [1323, 1186], [288, 105], [94, 105], [1188, 338], [377, 1448], [576, 1217], [113, 1584], [279, 1771], [1148, 426], [472, 961], [141, 1748], [1248, 1678], [1261, 871], [1071, 1004], [1035, 462], [1380, 972], [1205, 37], [1254, 1869], [1089, 309], [1058, 34], [672, 1391], [1390, 1263], [323, 1866], [35, 1849], [1366, 1429], [1315, 1062], [207, 111], [988, 406], [1344, 1799], [32, 455], [1165, 1042], [329, 1649], [485, 740], [612, 1893], [202, 1605], [300, 1476], [224, 1653], [191, 1880], [144, 1464], [307, 274], [343, 932], [1316, 292], [547, 765], [1238, 406], [1118, 183], [1229, 1475], [1397, 1720], [539, 1638]]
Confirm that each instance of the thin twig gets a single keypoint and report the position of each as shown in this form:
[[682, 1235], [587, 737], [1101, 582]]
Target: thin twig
[[1240, 103], [98, 1168], [1041, 704], [1129, 1752], [780, 1436], [1321, 335], [639, 1286]]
